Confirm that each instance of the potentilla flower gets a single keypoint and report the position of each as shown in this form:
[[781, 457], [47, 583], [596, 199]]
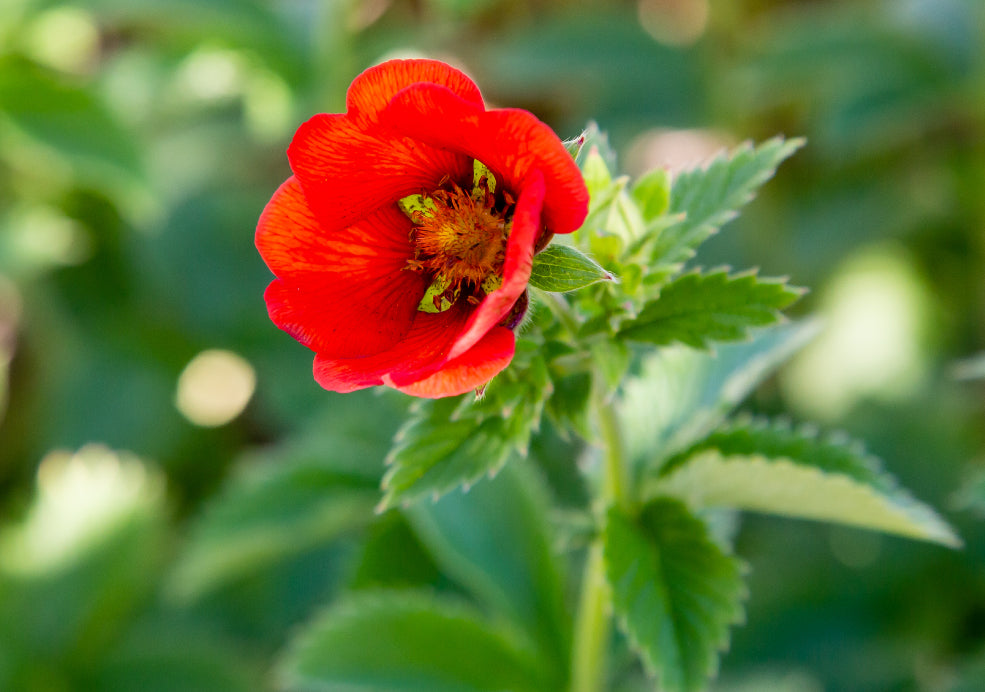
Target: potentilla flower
[[403, 243]]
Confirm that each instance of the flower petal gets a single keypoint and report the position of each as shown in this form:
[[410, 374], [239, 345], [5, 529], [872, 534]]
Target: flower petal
[[349, 170], [472, 369], [418, 355], [511, 142], [516, 268], [343, 293], [372, 90]]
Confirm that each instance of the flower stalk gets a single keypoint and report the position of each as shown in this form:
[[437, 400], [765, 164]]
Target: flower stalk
[[593, 627]]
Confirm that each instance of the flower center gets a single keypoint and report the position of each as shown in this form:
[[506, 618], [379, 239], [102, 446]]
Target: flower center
[[460, 240]]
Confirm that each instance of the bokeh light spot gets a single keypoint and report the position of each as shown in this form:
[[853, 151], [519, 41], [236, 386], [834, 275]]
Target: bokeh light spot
[[674, 150], [215, 387], [674, 22], [80, 498], [65, 38], [875, 310]]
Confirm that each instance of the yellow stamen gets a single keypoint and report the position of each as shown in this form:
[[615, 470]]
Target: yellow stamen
[[460, 240]]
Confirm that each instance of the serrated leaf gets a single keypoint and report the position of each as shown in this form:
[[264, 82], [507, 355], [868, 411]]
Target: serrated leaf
[[697, 308], [434, 453], [453, 442], [711, 197], [674, 592], [560, 268], [682, 395], [794, 487], [805, 445], [504, 558], [393, 640]]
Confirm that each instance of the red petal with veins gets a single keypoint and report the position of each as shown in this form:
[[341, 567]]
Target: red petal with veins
[[511, 142], [349, 170], [371, 91], [472, 369], [342, 294], [422, 351]]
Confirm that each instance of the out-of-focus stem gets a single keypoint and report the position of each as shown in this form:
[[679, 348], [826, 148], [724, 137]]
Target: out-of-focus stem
[[593, 625]]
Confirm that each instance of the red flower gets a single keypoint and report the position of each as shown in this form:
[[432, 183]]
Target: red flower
[[402, 245]]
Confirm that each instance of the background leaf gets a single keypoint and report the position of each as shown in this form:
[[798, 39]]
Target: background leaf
[[67, 120], [78, 568], [695, 309], [285, 501], [674, 591], [406, 641], [495, 540], [163, 656]]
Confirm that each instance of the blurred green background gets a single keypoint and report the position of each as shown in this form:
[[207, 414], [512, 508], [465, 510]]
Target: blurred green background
[[139, 141]]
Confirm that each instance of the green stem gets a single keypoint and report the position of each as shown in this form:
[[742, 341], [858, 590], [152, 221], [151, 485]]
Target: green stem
[[593, 625], [614, 485]]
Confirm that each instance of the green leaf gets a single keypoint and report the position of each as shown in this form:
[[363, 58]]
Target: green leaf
[[613, 359], [268, 514], [711, 197], [560, 268], [84, 560], [819, 482], [67, 120], [434, 453], [651, 192], [971, 496], [594, 140], [697, 308], [574, 146], [393, 640], [568, 405], [504, 558], [682, 395], [613, 217], [674, 591], [596, 173], [283, 502], [453, 442], [831, 453], [164, 656]]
